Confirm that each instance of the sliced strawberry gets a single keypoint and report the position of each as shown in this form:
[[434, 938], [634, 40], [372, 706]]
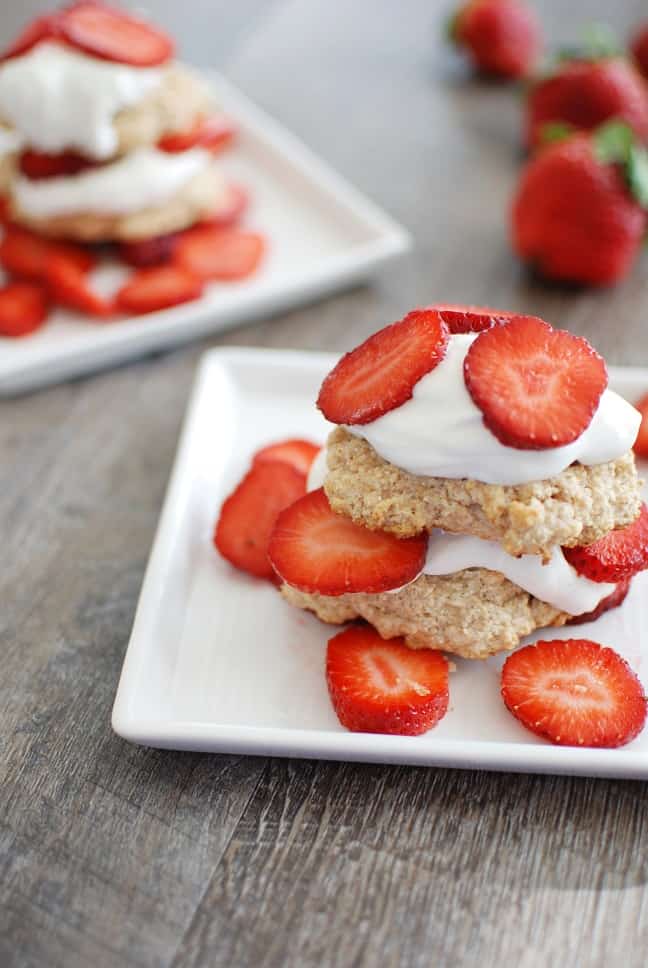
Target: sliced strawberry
[[214, 253], [114, 35], [27, 255], [249, 513], [5, 210], [316, 550], [38, 165], [40, 29], [641, 443], [299, 453], [575, 693], [537, 387], [149, 252], [68, 284], [23, 308], [230, 213], [212, 133], [385, 687], [381, 373], [615, 557], [148, 290], [613, 600], [470, 319]]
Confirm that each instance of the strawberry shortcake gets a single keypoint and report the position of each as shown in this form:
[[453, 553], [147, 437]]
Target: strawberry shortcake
[[113, 136], [480, 485]]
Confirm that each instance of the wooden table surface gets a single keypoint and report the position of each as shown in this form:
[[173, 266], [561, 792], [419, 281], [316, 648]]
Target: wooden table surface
[[114, 855]]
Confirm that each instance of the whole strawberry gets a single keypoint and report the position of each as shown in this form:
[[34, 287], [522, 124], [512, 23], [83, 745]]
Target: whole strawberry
[[579, 212], [639, 49], [586, 88], [502, 37]]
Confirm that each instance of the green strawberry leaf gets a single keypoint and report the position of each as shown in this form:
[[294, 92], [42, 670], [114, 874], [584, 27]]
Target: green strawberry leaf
[[637, 174], [612, 143], [599, 43], [554, 131]]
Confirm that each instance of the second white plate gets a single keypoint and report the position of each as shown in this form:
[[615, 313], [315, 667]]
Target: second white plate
[[322, 233], [218, 661]]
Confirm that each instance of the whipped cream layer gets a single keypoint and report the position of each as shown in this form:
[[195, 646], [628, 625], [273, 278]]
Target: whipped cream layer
[[440, 432], [555, 582], [62, 100], [143, 179]]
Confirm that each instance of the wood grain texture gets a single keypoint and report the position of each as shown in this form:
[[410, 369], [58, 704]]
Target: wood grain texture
[[111, 855]]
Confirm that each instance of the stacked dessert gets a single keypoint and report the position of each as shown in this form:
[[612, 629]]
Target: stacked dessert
[[113, 134], [480, 485], [105, 138]]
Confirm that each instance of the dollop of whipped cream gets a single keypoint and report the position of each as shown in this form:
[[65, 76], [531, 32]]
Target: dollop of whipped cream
[[555, 582], [145, 177], [60, 99], [440, 432]]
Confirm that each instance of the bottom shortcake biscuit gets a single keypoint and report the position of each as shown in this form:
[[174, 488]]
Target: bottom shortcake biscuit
[[474, 613]]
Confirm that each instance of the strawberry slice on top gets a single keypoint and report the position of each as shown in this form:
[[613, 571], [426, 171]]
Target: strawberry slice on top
[[470, 319], [537, 387], [575, 693], [385, 687], [618, 555], [381, 373], [42, 28], [317, 551], [110, 34]]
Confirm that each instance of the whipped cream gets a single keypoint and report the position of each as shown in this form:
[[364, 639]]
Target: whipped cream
[[144, 178], [60, 99], [555, 582], [440, 432]]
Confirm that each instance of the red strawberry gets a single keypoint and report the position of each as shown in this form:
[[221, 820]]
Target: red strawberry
[[502, 37], [641, 443], [249, 513], [639, 48], [385, 687], [37, 165], [68, 284], [148, 290], [23, 308], [380, 374], [470, 319], [26, 255], [231, 212], [576, 217], [213, 133], [316, 550], [613, 600], [299, 453], [114, 35], [149, 252], [42, 28], [536, 386], [214, 253], [583, 94], [575, 693], [618, 555]]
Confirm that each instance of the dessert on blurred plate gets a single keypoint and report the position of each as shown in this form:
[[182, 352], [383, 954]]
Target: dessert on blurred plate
[[105, 137]]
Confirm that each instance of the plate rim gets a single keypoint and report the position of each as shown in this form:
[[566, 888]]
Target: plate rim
[[327, 744]]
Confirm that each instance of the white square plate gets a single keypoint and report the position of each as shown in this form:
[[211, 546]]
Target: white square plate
[[323, 235], [218, 661]]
